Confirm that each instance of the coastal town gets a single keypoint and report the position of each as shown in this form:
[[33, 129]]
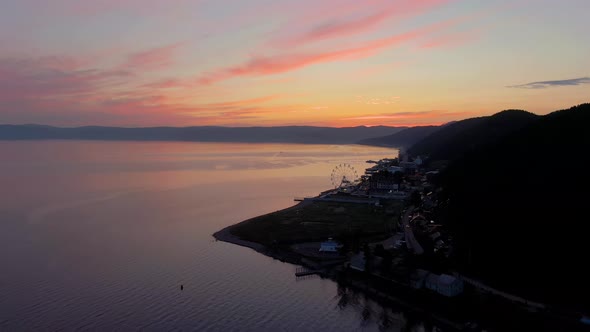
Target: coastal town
[[381, 233], [413, 251]]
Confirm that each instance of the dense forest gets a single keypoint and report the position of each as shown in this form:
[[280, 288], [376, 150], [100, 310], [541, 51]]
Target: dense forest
[[404, 138], [517, 188], [457, 138]]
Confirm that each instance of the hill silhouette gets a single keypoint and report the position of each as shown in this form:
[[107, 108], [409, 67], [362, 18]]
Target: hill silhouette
[[285, 134], [517, 205], [458, 138], [402, 139]]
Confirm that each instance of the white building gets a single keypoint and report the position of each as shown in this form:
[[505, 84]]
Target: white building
[[431, 282], [358, 262], [408, 165], [329, 246], [395, 169], [418, 278]]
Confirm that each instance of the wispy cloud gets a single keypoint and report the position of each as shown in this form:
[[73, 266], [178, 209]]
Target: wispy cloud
[[64, 91], [479, 25], [338, 27], [171, 83], [550, 84], [155, 58], [39, 78], [419, 118], [397, 115], [269, 65], [377, 100], [251, 101]]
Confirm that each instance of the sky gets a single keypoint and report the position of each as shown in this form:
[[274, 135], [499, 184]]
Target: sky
[[336, 63]]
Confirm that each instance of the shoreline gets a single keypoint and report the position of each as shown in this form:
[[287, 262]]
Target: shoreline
[[429, 311], [225, 235]]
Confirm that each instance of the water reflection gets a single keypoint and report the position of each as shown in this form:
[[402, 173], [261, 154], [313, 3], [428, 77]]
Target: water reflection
[[384, 315], [100, 235]]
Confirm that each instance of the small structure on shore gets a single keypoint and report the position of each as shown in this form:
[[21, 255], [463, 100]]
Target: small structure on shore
[[444, 284], [418, 278], [358, 262], [329, 246], [395, 169], [449, 285]]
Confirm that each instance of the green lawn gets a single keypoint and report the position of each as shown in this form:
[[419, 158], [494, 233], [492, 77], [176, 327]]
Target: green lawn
[[316, 222]]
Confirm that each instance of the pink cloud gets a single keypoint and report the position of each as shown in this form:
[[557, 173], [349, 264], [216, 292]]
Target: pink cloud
[[155, 58], [51, 77], [281, 63], [419, 118], [396, 115], [171, 83], [343, 28], [377, 100], [147, 103], [27, 77], [476, 30], [258, 100], [58, 90], [62, 91]]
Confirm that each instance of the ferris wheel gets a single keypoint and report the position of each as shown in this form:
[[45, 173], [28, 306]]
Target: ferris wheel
[[343, 175]]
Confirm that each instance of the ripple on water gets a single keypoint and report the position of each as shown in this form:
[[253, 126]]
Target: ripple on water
[[102, 260]]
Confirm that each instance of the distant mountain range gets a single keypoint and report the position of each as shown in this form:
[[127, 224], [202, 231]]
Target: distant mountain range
[[402, 139], [460, 137], [288, 134]]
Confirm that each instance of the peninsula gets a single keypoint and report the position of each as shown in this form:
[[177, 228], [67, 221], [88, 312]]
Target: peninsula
[[402, 229]]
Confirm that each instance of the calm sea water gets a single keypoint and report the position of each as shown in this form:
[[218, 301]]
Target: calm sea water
[[100, 236]]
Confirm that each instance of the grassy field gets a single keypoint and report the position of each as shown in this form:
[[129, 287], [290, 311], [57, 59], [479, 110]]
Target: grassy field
[[317, 221]]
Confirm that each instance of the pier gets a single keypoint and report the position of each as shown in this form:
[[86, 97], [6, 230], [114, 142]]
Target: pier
[[303, 271]]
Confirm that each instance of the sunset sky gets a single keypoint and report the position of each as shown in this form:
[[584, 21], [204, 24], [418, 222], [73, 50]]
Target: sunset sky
[[288, 62]]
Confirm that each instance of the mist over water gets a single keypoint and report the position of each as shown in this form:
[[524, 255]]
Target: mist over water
[[100, 236]]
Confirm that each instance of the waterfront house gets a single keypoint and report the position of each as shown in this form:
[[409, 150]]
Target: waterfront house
[[434, 236], [357, 262], [408, 165], [449, 286], [444, 284], [418, 278], [329, 246], [431, 282], [395, 169]]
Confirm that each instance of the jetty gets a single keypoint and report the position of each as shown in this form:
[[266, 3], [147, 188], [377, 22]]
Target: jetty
[[303, 271]]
